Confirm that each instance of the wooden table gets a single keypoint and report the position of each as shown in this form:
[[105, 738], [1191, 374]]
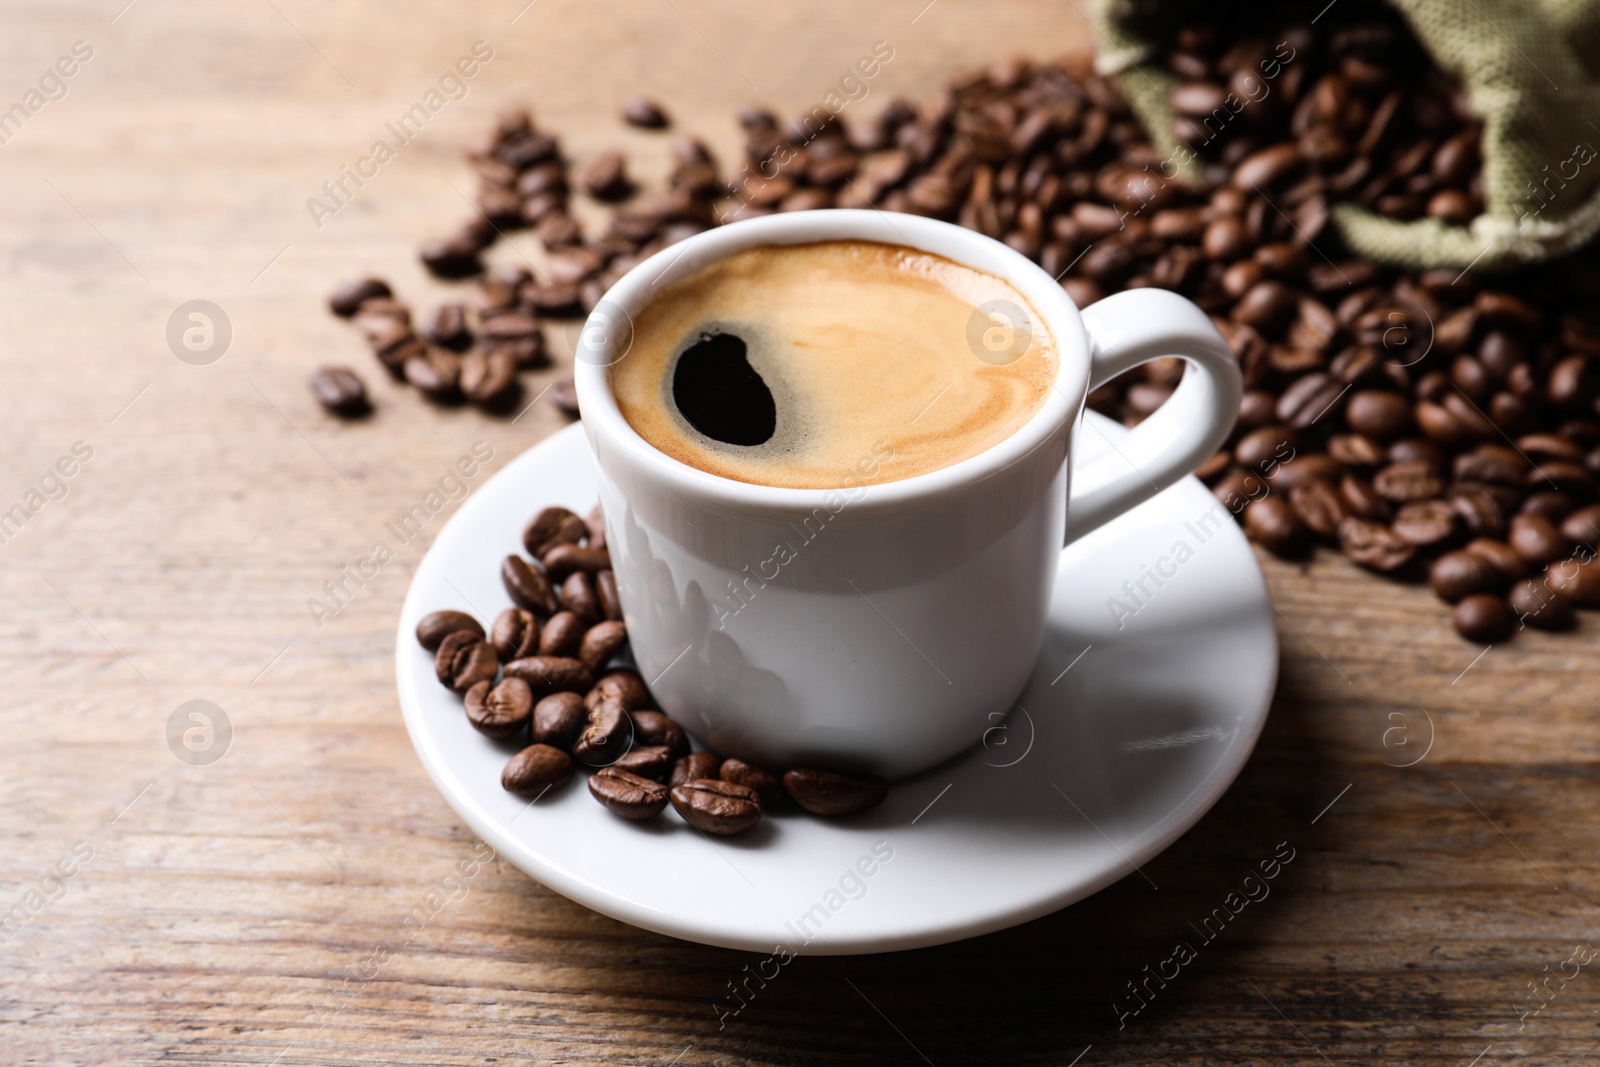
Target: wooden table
[[223, 913]]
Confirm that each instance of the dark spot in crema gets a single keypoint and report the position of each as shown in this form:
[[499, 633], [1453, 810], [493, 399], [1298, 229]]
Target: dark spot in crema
[[720, 394]]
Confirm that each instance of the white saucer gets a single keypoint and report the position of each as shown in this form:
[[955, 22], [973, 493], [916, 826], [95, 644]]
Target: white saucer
[[1113, 753]]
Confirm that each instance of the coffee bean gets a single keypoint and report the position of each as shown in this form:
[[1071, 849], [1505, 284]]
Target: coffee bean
[[527, 586], [1363, 501], [1452, 206], [550, 527], [1355, 450], [1552, 505], [606, 734], [1267, 306], [1319, 507], [1374, 546], [606, 177], [347, 299], [1198, 98], [1264, 447], [1479, 511], [1501, 556], [1426, 523], [595, 521], [379, 314], [1490, 463], [1378, 413], [1408, 480], [438, 625], [628, 795], [518, 335], [647, 761], [561, 636], [562, 560], [1267, 167], [558, 719], [572, 265], [564, 395], [1460, 574], [515, 634], [1549, 446], [766, 786], [436, 372], [452, 257], [1272, 523], [646, 114], [656, 729], [1241, 277], [1573, 381], [1483, 618], [488, 378], [464, 659], [1309, 400], [1536, 539], [717, 807], [623, 685], [578, 596], [1506, 310], [605, 584], [1582, 526], [447, 327], [1535, 604], [694, 767], [1226, 239], [831, 793], [1579, 582], [1416, 450], [499, 711], [601, 643], [339, 390], [551, 674], [536, 770]]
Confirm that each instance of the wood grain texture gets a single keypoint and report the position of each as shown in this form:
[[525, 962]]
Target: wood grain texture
[[234, 913]]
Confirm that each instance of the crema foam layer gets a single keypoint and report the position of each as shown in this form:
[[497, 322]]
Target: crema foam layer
[[878, 359]]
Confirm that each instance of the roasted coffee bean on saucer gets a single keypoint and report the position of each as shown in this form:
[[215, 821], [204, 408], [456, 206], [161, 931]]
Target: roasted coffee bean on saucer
[[551, 674], [536, 770], [464, 659], [831, 793], [716, 806], [628, 795], [499, 711], [438, 625]]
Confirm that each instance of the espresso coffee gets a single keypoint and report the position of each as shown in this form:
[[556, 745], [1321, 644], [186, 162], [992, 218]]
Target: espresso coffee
[[833, 364]]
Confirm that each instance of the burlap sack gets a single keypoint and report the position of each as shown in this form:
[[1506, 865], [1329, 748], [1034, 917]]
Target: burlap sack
[[1526, 67]]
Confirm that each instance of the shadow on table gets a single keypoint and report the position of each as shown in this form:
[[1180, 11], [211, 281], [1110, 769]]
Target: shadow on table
[[1106, 972]]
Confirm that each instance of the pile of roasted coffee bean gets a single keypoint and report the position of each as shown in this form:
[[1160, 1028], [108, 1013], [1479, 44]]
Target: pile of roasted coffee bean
[[543, 674], [1426, 423], [456, 356], [472, 350], [1353, 105]]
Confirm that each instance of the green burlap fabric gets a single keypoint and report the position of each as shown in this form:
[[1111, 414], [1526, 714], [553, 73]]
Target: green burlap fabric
[[1532, 72]]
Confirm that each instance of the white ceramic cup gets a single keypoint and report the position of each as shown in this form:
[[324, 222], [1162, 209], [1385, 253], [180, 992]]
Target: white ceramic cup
[[878, 627]]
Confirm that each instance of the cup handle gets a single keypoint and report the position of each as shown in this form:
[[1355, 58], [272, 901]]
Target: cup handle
[[1128, 329]]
